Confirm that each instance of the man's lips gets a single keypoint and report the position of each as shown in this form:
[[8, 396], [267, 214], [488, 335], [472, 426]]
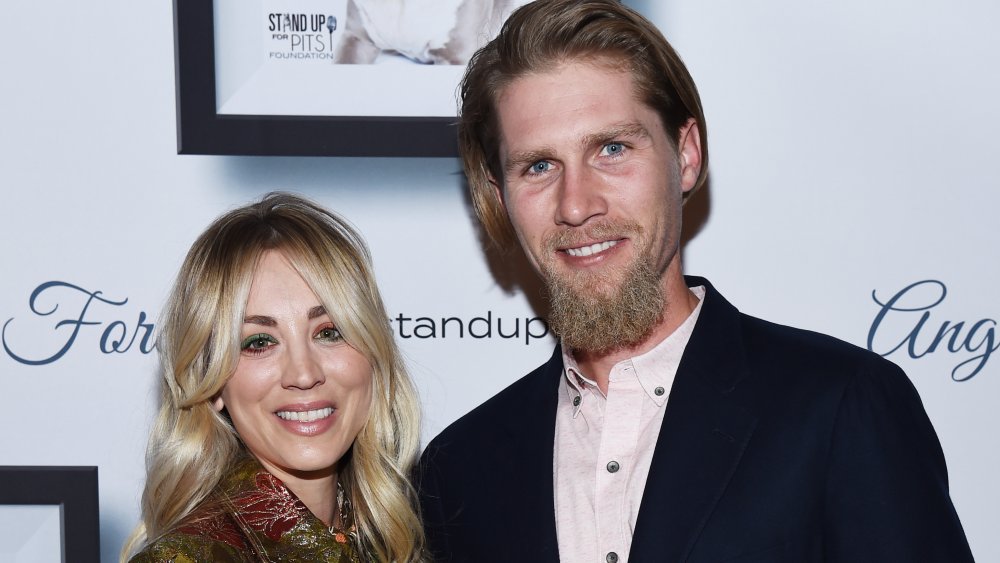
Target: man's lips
[[591, 249]]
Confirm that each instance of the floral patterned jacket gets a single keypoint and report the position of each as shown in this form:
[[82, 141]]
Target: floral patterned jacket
[[252, 518]]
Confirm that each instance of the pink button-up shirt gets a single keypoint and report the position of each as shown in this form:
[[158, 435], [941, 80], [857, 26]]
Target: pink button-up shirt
[[604, 445]]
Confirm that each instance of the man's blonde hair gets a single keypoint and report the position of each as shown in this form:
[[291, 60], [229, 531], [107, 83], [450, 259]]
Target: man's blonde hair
[[545, 33]]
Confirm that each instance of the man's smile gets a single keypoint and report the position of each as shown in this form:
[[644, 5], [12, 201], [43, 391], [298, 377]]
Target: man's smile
[[591, 249]]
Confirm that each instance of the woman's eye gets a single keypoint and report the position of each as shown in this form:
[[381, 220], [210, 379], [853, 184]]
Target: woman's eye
[[612, 149], [329, 333], [257, 343], [540, 167]]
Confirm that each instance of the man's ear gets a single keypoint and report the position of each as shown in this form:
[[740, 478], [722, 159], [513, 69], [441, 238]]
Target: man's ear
[[217, 403], [689, 154]]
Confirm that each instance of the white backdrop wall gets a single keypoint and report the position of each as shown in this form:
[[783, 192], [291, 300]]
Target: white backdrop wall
[[852, 149]]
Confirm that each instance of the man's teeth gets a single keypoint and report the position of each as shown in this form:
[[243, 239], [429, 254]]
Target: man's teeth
[[305, 416], [592, 249]]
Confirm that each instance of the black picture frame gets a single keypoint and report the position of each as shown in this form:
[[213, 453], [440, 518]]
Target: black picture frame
[[74, 489], [201, 130]]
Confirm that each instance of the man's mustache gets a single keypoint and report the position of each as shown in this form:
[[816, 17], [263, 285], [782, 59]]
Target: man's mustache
[[608, 229]]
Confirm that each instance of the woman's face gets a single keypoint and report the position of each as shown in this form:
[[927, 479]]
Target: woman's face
[[300, 394]]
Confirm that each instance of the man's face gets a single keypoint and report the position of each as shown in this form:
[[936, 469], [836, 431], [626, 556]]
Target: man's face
[[593, 184]]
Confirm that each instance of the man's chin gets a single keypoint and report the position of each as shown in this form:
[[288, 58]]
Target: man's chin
[[601, 284], [597, 315]]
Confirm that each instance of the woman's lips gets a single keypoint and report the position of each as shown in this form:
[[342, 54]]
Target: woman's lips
[[305, 416], [307, 419]]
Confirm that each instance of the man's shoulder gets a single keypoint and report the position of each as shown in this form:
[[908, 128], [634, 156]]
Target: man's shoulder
[[770, 343], [763, 343], [784, 361]]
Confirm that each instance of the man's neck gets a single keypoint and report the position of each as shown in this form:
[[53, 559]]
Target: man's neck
[[679, 302]]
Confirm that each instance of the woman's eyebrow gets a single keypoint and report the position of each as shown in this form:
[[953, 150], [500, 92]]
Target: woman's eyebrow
[[260, 320], [263, 320]]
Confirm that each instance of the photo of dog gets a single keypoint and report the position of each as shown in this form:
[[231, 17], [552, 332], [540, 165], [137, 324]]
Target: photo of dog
[[423, 31]]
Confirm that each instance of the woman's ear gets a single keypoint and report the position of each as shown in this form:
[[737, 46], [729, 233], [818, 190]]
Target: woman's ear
[[217, 403]]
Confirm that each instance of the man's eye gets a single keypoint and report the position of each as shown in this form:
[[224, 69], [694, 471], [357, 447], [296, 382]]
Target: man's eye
[[612, 149], [541, 167]]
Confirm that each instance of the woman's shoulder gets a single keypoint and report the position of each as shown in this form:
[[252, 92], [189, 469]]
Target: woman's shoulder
[[211, 536]]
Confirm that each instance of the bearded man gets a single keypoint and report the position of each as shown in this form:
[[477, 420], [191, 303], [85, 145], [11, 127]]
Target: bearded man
[[667, 426]]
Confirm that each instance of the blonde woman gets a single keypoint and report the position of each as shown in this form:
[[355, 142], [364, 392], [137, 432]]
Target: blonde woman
[[288, 426]]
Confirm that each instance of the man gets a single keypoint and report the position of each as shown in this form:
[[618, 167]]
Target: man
[[667, 426]]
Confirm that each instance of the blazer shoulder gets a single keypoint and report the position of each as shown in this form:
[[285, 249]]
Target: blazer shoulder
[[774, 345]]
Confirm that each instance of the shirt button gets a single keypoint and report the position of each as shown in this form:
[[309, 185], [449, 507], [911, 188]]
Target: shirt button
[[613, 467], [612, 557], [659, 391], [576, 401]]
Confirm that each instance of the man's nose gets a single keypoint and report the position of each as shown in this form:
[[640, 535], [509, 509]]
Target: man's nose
[[581, 197]]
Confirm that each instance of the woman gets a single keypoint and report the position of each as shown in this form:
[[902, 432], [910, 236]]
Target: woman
[[288, 425]]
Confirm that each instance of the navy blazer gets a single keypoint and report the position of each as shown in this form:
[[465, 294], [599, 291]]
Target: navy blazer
[[777, 445]]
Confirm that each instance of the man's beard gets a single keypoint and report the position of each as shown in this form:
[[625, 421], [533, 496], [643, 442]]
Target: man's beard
[[589, 318]]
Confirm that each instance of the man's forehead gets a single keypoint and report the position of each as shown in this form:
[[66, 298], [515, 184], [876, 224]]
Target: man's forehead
[[552, 76], [576, 99], [612, 64]]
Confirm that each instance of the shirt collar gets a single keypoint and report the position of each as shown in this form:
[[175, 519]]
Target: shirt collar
[[577, 384], [656, 368]]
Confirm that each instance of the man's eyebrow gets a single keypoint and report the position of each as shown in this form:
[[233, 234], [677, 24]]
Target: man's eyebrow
[[523, 158], [625, 130], [631, 129]]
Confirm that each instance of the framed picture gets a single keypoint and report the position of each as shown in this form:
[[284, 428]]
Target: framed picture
[[49, 514], [325, 77]]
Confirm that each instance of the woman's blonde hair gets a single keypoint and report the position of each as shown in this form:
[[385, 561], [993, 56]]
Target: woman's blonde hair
[[192, 446]]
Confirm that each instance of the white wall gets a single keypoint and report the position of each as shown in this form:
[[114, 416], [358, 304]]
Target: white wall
[[851, 149]]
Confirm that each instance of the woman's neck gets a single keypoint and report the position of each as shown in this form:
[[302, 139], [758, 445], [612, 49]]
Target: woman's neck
[[316, 489]]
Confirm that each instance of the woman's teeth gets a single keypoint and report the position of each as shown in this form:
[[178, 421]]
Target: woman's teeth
[[305, 416]]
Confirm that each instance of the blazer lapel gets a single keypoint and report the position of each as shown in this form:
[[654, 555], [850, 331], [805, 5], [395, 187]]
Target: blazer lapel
[[530, 516], [701, 441]]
